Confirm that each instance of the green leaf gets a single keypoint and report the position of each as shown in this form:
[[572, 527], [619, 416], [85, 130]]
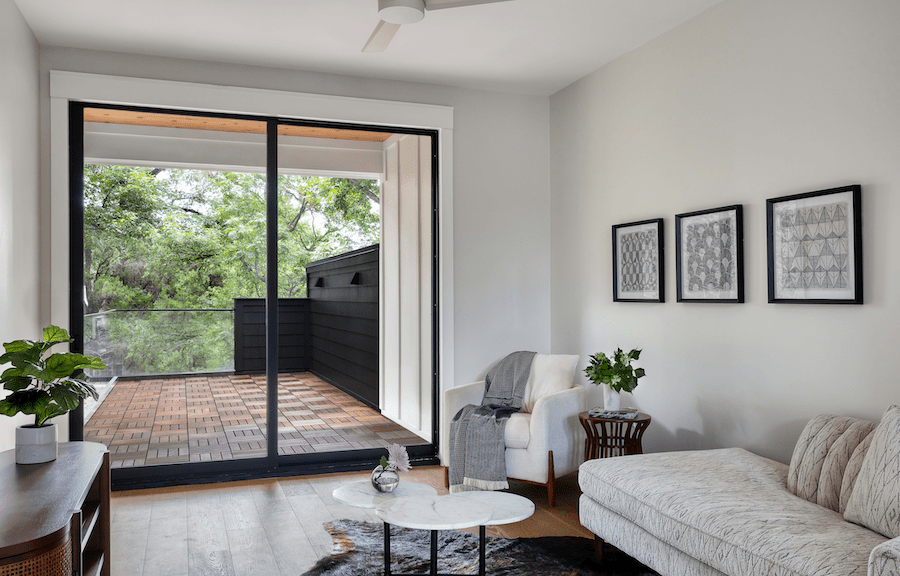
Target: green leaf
[[65, 398], [7, 408], [13, 372], [60, 365], [51, 412], [28, 401], [14, 383], [80, 387], [55, 335], [18, 346]]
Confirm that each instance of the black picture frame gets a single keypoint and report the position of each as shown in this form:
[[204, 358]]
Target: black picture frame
[[815, 247], [709, 258], [638, 253]]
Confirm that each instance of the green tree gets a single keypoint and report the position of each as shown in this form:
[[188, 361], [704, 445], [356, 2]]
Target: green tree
[[164, 239]]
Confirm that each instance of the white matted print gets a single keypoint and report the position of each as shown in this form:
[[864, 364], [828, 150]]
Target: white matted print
[[710, 255], [638, 262], [815, 247]]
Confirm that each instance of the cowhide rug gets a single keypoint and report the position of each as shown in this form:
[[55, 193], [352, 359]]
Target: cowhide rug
[[359, 546]]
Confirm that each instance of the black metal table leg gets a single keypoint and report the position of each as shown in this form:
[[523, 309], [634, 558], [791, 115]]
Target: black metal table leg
[[481, 544], [434, 553], [387, 549], [433, 569]]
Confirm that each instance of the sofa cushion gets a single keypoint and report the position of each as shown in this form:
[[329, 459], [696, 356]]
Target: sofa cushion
[[549, 373], [875, 501], [729, 509], [517, 433], [852, 470], [821, 455]]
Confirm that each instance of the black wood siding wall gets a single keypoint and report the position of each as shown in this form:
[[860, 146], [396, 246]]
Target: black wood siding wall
[[250, 334], [343, 324]]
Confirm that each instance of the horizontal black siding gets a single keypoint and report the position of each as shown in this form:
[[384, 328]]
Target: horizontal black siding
[[343, 324], [250, 334]]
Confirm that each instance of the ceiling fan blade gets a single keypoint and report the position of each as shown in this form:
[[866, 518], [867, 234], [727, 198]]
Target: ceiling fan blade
[[381, 37], [439, 4]]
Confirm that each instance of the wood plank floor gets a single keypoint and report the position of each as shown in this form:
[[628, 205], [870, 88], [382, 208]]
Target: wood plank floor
[[275, 527], [202, 418]]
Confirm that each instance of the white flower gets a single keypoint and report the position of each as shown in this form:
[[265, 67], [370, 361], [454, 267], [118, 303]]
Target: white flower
[[398, 457]]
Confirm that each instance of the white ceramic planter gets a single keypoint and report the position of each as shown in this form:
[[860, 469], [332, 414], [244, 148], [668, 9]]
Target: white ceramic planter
[[611, 399], [36, 445]]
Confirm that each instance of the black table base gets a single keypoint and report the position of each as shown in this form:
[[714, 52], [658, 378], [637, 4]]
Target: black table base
[[482, 539]]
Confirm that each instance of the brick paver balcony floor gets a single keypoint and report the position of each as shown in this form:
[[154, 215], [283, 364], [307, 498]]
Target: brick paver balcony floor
[[200, 418]]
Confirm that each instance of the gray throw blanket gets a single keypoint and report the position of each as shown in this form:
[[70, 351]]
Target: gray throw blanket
[[477, 447]]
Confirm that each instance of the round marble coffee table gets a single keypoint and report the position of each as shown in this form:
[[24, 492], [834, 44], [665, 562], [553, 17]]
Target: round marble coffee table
[[460, 510]]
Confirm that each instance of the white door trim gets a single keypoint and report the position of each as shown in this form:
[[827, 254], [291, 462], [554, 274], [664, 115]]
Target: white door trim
[[76, 86]]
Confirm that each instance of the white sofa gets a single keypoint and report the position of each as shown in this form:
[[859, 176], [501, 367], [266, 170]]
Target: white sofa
[[728, 511], [544, 440]]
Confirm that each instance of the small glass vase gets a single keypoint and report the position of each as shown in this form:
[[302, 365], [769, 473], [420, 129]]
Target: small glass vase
[[385, 479]]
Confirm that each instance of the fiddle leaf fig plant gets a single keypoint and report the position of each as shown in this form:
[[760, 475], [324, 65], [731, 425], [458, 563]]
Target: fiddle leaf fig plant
[[617, 371], [44, 385]]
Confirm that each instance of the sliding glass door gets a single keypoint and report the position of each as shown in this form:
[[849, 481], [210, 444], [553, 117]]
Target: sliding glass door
[[228, 272]]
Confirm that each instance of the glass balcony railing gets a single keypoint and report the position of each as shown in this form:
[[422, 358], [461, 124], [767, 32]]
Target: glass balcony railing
[[154, 342]]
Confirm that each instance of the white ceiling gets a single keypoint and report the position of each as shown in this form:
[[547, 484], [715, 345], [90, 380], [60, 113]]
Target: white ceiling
[[524, 46]]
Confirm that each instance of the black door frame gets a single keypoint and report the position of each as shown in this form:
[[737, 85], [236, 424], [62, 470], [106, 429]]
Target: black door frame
[[273, 464]]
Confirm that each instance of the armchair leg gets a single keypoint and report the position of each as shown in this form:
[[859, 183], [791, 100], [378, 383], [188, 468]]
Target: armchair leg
[[447, 477], [551, 480]]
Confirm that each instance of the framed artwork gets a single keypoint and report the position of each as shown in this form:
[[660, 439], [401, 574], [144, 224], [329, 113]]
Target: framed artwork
[[815, 247], [709, 260], [638, 261]]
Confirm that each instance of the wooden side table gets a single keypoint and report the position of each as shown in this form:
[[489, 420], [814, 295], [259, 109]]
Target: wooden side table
[[608, 437]]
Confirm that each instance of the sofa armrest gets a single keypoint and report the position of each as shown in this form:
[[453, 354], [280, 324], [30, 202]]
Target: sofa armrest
[[555, 426], [452, 401], [885, 559]]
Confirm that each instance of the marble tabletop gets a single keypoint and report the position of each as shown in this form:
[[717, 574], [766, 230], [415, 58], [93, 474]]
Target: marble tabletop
[[435, 512], [507, 508], [363, 495]]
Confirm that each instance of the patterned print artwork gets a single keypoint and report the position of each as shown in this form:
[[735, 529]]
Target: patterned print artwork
[[709, 256], [814, 247], [639, 261]]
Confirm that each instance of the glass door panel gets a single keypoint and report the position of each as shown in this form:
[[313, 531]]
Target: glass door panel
[[174, 274], [329, 229]]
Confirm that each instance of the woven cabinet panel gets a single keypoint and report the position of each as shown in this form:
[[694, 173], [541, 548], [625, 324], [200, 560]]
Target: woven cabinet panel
[[52, 560]]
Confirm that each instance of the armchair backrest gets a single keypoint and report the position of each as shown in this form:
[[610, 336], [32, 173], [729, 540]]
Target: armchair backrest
[[549, 373]]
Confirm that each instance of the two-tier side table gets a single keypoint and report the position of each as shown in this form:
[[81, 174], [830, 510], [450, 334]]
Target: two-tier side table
[[608, 437]]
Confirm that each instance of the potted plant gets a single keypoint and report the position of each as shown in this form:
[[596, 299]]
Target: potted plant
[[614, 374], [43, 385]]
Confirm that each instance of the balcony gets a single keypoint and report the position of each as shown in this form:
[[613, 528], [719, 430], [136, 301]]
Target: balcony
[[167, 420], [187, 385]]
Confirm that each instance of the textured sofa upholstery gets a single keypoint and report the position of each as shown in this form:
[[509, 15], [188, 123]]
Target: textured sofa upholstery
[[729, 511]]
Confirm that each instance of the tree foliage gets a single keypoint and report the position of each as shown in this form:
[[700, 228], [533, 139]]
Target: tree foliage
[[174, 239]]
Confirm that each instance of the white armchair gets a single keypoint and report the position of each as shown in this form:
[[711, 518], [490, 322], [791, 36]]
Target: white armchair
[[544, 440]]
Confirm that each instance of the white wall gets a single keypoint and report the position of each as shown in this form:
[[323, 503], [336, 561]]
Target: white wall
[[751, 100], [19, 185], [501, 182]]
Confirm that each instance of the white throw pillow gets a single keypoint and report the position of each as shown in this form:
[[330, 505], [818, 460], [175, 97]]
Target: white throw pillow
[[875, 501], [549, 373]]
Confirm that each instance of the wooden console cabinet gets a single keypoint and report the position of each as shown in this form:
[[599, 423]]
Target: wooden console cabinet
[[54, 517]]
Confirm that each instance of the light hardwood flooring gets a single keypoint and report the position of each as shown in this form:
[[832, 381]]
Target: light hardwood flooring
[[275, 527]]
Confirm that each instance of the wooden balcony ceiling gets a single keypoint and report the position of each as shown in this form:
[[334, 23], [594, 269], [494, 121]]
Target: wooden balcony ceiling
[[164, 120], [204, 418]]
